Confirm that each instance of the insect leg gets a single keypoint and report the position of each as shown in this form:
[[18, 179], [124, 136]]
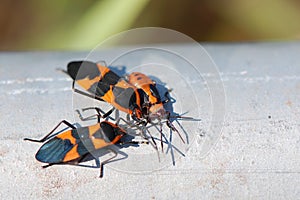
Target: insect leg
[[106, 161], [133, 125], [161, 136], [48, 165], [98, 115], [99, 111], [86, 94], [172, 127], [48, 135], [153, 143], [135, 142]]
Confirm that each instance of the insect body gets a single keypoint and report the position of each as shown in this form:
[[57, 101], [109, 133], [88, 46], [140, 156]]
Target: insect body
[[143, 82], [72, 146], [104, 85], [154, 106]]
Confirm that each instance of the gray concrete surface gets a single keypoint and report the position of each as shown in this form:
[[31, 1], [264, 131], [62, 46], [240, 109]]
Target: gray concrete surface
[[256, 157]]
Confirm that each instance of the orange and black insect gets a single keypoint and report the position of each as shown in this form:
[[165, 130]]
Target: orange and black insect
[[153, 101], [141, 81], [154, 105], [73, 146], [105, 85]]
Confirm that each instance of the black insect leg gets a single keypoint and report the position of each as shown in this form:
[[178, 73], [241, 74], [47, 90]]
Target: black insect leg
[[98, 115], [106, 161], [86, 94], [135, 142], [172, 127], [153, 143], [137, 127], [161, 134], [51, 132], [46, 166], [183, 118], [161, 137]]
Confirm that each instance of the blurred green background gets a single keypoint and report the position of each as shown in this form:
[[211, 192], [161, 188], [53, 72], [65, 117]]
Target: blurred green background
[[81, 25]]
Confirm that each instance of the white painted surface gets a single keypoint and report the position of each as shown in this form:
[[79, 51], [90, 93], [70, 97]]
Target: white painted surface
[[257, 157]]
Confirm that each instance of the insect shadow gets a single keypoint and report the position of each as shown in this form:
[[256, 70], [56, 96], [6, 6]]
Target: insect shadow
[[119, 69]]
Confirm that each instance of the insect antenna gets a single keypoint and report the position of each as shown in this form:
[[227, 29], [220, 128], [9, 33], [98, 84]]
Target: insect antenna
[[183, 117]]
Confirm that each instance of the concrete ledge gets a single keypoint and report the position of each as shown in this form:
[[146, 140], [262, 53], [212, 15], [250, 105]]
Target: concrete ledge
[[256, 157]]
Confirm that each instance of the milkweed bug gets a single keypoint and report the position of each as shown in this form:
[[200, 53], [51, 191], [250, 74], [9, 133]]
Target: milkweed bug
[[73, 146], [154, 105], [143, 82], [105, 85]]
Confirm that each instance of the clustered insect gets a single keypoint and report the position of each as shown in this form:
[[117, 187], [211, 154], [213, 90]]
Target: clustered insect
[[134, 94]]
